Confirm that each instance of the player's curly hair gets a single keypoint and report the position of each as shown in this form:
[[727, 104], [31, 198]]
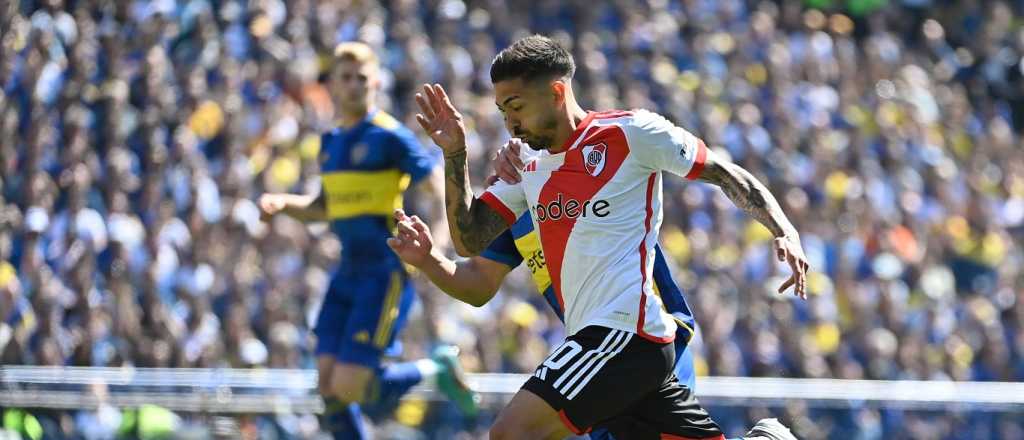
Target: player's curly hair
[[533, 57]]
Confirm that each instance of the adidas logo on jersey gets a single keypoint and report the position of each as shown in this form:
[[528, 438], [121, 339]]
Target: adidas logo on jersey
[[572, 208]]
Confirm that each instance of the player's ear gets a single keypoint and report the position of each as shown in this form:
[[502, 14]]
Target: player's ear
[[374, 79], [558, 91]]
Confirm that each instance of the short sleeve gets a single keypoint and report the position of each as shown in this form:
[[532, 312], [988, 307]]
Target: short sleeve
[[506, 199], [412, 158], [503, 250], [661, 145]]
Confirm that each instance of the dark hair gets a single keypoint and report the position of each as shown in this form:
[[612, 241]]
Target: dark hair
[[531, 58]]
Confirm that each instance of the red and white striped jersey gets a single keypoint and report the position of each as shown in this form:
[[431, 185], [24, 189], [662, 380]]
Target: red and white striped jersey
[[598, 207]]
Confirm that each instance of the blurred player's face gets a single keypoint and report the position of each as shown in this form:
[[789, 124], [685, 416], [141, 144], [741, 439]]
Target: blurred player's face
[[530, 110], [352, 85]]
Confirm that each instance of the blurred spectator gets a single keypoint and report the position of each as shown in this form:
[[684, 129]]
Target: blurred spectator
[[136, 134]]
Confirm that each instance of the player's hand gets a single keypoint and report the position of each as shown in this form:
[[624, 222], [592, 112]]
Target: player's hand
[[412, 241], [788, 249], [439, 118], [271, 204], [507, 162]]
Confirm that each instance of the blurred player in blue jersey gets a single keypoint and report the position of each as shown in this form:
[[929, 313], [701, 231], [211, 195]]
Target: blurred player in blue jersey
[[476, 280], [367, 162]]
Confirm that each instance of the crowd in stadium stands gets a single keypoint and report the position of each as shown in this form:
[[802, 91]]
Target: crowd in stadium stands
[[135, 137]]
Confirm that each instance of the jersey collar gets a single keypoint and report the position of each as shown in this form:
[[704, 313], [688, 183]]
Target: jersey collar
[[369, 117], [580, 129]]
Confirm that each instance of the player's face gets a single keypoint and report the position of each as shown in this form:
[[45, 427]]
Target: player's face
[[350, 84], [530, 110]]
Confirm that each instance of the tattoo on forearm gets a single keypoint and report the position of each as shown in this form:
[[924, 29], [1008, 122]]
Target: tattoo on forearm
[[473, 224], [751, 196]]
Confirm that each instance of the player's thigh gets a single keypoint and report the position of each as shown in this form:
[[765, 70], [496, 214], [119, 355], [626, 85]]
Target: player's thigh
[[385, 312], [349, 382], [325, 370], [380, 305], [670, 412], [528, 416], [597, 374], [335, 312]]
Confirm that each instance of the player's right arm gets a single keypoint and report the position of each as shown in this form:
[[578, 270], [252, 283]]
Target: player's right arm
[[303, 207], [473, 281], [473, 223]]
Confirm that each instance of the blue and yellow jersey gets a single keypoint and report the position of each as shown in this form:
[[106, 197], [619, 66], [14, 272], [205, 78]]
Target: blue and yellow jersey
[[364, 171], [521, 243]]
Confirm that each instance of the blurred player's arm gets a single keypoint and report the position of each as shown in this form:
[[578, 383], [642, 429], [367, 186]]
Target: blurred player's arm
[[303, 207], [752, 196], [473, 281], [433, 185], [473, 223]]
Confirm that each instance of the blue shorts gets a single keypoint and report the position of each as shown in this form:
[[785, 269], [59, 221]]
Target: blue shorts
[[362, 314]]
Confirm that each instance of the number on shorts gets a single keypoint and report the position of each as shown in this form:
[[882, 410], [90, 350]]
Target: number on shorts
[[563, 354]]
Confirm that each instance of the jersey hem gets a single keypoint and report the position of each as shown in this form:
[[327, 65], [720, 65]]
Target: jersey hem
[[615, 325]]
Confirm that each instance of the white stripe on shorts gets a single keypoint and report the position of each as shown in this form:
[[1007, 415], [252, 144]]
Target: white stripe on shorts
[[601, 359], [582, 359]]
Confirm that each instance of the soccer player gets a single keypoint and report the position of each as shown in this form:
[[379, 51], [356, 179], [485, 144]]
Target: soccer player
[[366, 164], [476, 280], [594, 193]]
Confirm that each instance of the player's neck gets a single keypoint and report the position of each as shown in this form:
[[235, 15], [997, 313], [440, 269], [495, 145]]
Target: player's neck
[[573, 117], [352, 116]]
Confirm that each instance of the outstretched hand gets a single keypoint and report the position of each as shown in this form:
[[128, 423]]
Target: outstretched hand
[[789, 250], [271, 204], [412, 241], [439, 118]]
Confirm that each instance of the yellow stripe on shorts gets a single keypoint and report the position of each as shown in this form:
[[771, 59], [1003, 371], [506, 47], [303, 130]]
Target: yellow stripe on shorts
[[386, 322]]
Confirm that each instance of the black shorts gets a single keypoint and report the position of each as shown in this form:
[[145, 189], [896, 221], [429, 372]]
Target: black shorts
[[614, 379]]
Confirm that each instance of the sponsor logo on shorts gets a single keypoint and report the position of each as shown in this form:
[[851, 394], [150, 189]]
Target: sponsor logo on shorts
[[362, 336]]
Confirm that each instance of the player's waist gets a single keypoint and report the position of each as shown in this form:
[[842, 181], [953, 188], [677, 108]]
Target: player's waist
[[686, 327], [384, 258], [367, 229], [666, 337], [367, 253], [630, 310], [349, 268]]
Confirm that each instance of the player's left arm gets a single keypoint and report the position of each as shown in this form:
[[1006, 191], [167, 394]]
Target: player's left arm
[[433, 187], [428, 177], [752, 196], [663, 146]]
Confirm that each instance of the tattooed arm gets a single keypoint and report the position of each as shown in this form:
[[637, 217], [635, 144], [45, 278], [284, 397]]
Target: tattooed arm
[[473, 223], [748, 194], [753, 197]]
